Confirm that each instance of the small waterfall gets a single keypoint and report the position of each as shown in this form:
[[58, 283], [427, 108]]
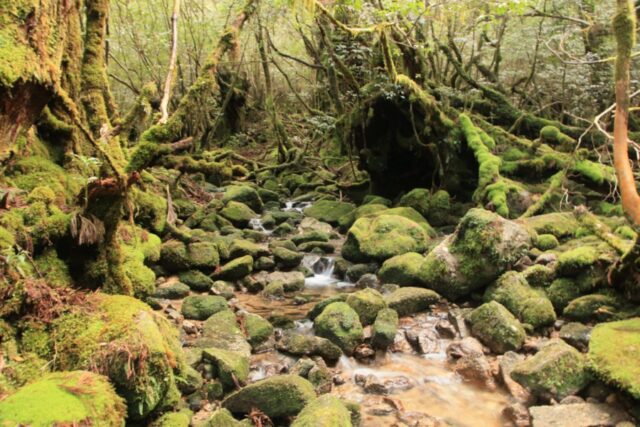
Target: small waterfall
[[295, 206], [304, 327], [256, 224], [322, 268]]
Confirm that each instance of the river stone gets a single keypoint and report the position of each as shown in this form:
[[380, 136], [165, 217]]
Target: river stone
[[222, 331], [223, 288], [383, 237], [292, 281], [235, 269], [321, 247], [238, 213], [614, 352], [310, 236], [340, 324], [221, 418], [278, 396], [312, 224], [576, 334], [287, 258], [384, 328], [320, 306], [483, 246], [497, 328], [577, 415], [367, 303], [174, 419], [328, 211], [408, 301], [356, 271], [200, 307], [556, 371], [176, 256], [309, 345], [196, 280], [325, 411], [258, 328], [590, 307], [175, 290], [243, 194], [402, 270], [229, 366], [241, 247]]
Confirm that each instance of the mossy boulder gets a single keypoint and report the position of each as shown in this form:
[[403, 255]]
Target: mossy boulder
[[317, 309], [64, 398], [340, 324], [589, 307], [241, 247], [372, 199], [556, 371], [497, 328], [614, 352], [383, 237], [346, 221], [258, 328], [228, 366], [545, 242], [434, 207], [310, 236], [196, 280], [367, 303], [277, 397], [407, 301], [176, 290], [403, 270], [286, 258], [238, 214], [384, 328], [562, 291], [528, 304], [114, 333], [483, 246], [201, 307], [309, 345], [174, 419], [221, 418], [325, 411], [292, 281], [574, 261], [175, 256], [235, 269], [244, 194], [222, 331], [329, 211]]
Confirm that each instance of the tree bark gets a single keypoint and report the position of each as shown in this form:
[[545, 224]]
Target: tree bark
[[168, 84]]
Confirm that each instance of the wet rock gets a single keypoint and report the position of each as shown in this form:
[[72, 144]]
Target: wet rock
[[356, 271], [175, 290], [317, 247], [483, 247], [243, 194], [407, 301], [445, 329], [196, 280], [506, 363], [238, 213], [223, 288], [368, 281], [312, 224], [274, 290], [468, 346], [292, 281], [235, 270], [384, 329], [309, 345], [174, 419], [189, 327], [402, 270], [241, 248], [577, 415], [281, 321], [340, 324], [325, 411], [475, 368], [316, 372], [577, 335], [189, 381], [283, 229], [456, 317], [264, 264], [614, 352], [319, 307], [529, 305], [230, 367], [222, 331], [556, 371], [518, 414], [200, 307], [496, 327], [387, 385], [328, 211], [286, 258], [221, 418], [310, 236], [383, 237], [279, 396], [590, 307], [363, 351], [420, 419], [367, 303], [257, 328], [426, 341]]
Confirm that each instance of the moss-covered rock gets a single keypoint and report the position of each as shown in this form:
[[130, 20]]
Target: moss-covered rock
[[176, 290], [409, 300], [201, 307], [221, 418], [545, 242], [528, 304], [384, 328], [243, 194], [279, 396], [539, 276], [173, 419], [286, 258], [402, 269], [434, 207], [196, 280], [235, 269], [497, 328], [222, 331], [175, 256], [556, 371], [238, 213], [310, 236], [340, 324], [241, 247], [589, 307], [614, 352], [228, 366], [367, 303], [383, 237], [114, 334], [483, 246], [309, 345], [562, 291], [329, 211], [346, 221], [320, 306], [325, 411], [573, 262], [64, 398], [258, 329]]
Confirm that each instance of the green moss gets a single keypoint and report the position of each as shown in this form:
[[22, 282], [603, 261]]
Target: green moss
[[258, 329], [408, 300], [626, 232], [340, 324], [238, 213], [229, 366], [173, 419], [35, 339], [34, 171], [614, 351], [64, 398], [597, 173], [54, 270], [384, 328], [553, 136], [367, 303], [589, 307], [222, 331], [243, 194], [150, 210], [329, 211], [574, 261], [402, 269], [562, 291], [325, 411], [539, 276], [201, 307], [497, 328], [235, 269], [545, 242]]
